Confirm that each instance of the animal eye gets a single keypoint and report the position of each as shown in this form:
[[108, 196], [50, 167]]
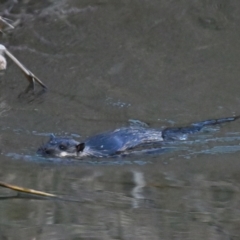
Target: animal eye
[[62, 147]]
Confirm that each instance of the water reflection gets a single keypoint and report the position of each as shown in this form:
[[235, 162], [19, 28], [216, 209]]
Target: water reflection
[[137, 191], [4, 107], [136, 203]]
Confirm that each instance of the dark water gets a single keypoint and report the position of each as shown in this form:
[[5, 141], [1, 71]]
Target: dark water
[[167, 63]]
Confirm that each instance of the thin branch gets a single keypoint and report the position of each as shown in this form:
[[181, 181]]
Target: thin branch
[[6, 23], [29, 75], [27, 190]]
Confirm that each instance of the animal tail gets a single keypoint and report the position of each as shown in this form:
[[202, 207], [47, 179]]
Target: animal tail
[[180, 133]]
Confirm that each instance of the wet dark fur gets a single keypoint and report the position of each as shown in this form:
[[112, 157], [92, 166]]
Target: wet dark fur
[[118, 141]]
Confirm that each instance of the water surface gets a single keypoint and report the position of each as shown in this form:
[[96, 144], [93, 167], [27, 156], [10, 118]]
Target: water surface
[[166, 63]]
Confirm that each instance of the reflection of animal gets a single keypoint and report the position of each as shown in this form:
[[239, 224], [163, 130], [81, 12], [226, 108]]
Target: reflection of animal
[[116, 142]]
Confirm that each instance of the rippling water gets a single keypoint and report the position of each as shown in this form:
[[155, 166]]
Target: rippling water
[[166, 63]]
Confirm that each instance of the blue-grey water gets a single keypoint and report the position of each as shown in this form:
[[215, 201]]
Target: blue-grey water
[[105, 62]]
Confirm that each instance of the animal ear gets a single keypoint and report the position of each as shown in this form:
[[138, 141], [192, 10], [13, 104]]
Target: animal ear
[[80, 147], [52, 136]]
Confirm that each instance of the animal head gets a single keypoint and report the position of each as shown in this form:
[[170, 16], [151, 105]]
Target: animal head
[[61, 147]]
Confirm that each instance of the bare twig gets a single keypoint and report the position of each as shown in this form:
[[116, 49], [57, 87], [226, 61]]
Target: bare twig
[[3, 63], [27, 190], [29, 75], [6, 22]]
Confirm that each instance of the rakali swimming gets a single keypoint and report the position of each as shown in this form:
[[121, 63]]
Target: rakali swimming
[[119, 141]]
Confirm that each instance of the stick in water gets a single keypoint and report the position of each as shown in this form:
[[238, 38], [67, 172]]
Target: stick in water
[[3, 20], [3, 63], [29, 75], [27, 190]]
